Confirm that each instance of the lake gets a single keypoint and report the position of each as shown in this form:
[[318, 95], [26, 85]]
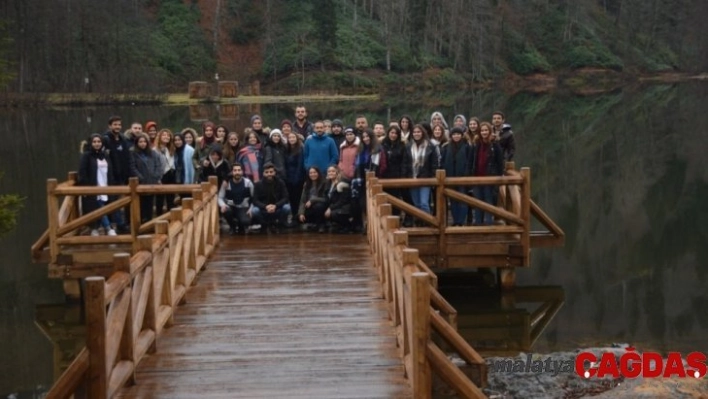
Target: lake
[[622, 173]]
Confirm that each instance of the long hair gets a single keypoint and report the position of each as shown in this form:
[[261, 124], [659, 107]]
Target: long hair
[[320, 179], [229, 152], [157, 144], [293, 148], [478, 138], [387, 139], [471, 134], [374, 142], [422, 129]]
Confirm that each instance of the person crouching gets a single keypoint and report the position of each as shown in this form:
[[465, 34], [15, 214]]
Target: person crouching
[[270, 200], [235, 200]]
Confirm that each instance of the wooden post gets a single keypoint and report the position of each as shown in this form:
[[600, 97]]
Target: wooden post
[[153, 304], [391, 226], [420, 291], [400, 239], [162, 228], [216, 230], [121, 263], [188, 231], [95, 306], [134, 212], [52, 219], [526, 213], [199, 245], [441, 216]]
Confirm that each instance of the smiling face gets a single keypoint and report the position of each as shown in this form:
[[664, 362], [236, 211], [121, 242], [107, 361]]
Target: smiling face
[[300, 113], [473, 125], [417, 134], [319, 128], [366, 138], [497, 120], [313, 174], [209, 131], [96, 143], [392, 134], [331, 173], [405, 125], [178, 142], [220, 132], [165, 137], [287, 129], [436, 120], [257, 124], [233, 140], [292, 139], [275, 139], [252, 139], [438, 132], [485, 132], [142, 143], [189, 138], [237, 172]]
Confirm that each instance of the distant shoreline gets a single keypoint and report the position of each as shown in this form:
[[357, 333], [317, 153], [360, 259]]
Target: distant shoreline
[[586, 81]]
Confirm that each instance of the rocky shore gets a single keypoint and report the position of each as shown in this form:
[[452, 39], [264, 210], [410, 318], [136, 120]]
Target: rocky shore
[[557, 379]]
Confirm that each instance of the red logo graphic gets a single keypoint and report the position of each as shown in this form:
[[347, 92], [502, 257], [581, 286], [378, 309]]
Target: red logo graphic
[[633, 364]]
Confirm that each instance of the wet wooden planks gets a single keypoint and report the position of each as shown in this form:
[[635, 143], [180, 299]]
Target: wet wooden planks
[[294, 315]]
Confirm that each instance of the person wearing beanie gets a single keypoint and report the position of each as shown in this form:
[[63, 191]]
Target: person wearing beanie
[[456, 161], [286, 127], [275, 152], [257, 127], [337, 132], [151, 130]]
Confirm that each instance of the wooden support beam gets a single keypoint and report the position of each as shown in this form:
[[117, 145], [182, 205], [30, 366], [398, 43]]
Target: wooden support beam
[[452, 375], [408, 183], [526, 213], [96, 337], [412, 210], [441, 216], [52, 218], [482, 181], [95, 215], [494, 210], [421, 377]]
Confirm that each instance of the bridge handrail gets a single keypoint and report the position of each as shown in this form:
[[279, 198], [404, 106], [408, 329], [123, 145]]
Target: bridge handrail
[[64, 220], [416, 307], [126, 313]]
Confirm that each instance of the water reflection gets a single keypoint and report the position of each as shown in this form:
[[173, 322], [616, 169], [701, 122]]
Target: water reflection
[[622, 173], [495, 322]]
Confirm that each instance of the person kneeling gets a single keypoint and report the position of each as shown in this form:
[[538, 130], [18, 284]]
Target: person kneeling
[[270, 200], [313, 201], [235, 200], [339, 199]]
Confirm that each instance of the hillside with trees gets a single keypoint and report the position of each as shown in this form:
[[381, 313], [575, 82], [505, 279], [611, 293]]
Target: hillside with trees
[[152, 46]]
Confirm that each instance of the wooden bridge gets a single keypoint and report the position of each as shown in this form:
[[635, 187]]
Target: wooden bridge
[[298, 315]]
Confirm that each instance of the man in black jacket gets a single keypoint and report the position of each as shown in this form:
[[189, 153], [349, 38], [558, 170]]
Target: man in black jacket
[[118, 151], [270, 200]]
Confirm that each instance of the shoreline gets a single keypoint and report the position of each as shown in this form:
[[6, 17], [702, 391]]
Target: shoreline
[[586, 81]]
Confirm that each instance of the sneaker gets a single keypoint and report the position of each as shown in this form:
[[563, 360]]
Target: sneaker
[[111, 232], [94, 233]]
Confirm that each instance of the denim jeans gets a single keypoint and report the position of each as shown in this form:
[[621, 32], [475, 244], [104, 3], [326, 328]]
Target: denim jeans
[[459, 209], [486, 194], [103, 222], [260, 216], [421, 198]]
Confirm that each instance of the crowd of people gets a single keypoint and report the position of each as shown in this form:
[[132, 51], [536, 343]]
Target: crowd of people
[[301, 173]]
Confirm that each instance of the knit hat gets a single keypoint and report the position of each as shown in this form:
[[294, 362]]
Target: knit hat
[[285, 122], [337, 122], [274, 132], [349, 129], [457, 130], [149, 125], [255, 117], [216, 148]]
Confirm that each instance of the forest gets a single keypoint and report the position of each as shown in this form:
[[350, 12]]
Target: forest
[[156, 46]]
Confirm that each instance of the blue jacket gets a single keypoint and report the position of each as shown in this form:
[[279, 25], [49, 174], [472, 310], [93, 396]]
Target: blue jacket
[[320, 151]]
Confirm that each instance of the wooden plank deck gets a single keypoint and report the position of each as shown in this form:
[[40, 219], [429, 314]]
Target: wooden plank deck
[[291, 315]]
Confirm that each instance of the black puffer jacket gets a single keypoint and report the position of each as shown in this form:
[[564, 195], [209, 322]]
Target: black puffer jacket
[[398, 159]]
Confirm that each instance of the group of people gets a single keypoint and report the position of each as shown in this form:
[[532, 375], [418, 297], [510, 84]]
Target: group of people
[[301, 172]]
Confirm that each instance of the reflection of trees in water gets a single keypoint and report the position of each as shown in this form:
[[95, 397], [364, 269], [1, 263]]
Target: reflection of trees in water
[[623, 174]]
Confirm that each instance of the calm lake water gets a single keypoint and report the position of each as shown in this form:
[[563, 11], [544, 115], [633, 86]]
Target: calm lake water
[[622, 173]]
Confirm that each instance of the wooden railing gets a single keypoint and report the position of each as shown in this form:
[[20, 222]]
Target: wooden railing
[[417, 309], [65, 221], [510, 238], [126, 313]]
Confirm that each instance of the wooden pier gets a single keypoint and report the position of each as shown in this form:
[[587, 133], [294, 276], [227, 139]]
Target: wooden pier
[[172, 311]]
